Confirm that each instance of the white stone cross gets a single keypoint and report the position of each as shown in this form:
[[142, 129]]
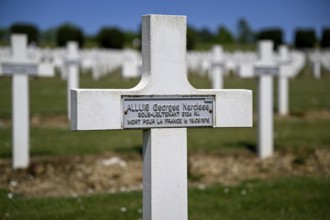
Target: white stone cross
[[265, 69], [217, 67], [20, 68], [71, 70], [316, 59], [285, 69], [164, 104]]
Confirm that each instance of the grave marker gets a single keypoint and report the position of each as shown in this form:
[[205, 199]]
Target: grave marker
[[131, 66], [72, 70], [164, 93], [217, 67], [265, 69], [19, 67], [283, 81], [316, 59]]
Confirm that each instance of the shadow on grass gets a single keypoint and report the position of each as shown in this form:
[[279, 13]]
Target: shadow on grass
[[242, 145], [298, 114], [41, 153], [5, 155], [248, 145], [134, 149]]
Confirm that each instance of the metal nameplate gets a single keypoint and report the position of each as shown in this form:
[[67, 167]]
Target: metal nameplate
[[167, 111], [259, 71], [26, 68], [72, 61]]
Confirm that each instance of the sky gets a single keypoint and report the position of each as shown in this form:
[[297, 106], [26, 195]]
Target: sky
[[92, 15]]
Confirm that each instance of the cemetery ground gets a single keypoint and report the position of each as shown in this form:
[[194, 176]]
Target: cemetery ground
[[80, 175]]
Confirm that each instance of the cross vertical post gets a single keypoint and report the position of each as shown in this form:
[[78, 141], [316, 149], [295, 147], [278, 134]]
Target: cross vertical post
[[316, 60], [165, 150], [72, 70], [165, 174], [20, 100], [283, 81], [217, 67]]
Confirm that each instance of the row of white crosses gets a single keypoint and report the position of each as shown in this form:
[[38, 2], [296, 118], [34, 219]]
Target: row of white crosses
[[72, 60], [241, 63], [203, 62], [286, 70], [198, 62], [215, 63], [267, 66], [103, 61], [17, 63], [131, 67], [157, 105], [217, 67], [326, 60], [100, 61], [319, 59], [20, 68]]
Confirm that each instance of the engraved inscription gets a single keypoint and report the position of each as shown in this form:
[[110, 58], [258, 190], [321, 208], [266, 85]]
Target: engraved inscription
[[10, 68], [167, 111], [266, 71]]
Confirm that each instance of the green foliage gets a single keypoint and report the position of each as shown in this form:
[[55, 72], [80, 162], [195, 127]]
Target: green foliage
[[132, 39], [29, 29], [305, 38], [205, 35], [204, 39], [3, 33], [275, 35], [245, 33], [192, 38], [90, 41], [224, 36], [68, 32], [325, 40], [4, 36], [48, 37], [111, 38]]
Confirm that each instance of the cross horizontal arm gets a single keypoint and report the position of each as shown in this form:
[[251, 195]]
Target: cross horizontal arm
[[164, 74], [101, 109], [30, 68], [233, 107]]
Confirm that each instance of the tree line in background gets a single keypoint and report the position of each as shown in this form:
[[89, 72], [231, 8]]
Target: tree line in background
[[112, 37]]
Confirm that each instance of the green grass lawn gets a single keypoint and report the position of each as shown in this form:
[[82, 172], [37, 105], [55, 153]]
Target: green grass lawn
[[287, 198], [48, 99], [289, 134], [48, 95]]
